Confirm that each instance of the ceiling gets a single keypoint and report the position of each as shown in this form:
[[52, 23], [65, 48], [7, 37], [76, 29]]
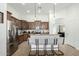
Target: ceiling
[[29, 8], [42, 8]]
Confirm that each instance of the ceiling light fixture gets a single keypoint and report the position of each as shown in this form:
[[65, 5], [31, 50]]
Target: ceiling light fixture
[[55, 3], [35, 11], [28, 11], [54, 9], [23, 3], [39, 8], [39, 4]]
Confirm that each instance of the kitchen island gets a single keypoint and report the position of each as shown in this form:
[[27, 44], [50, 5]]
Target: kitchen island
[[42, 37]]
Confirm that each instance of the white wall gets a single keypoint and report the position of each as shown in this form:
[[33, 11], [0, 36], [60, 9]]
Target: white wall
[[3, 31], [71, 20]]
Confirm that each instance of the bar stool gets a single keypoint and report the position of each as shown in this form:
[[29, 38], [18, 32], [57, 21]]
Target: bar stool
[[46, 42], [57, 51], [37, 46], [34, 48], [49, 47], [41, 47]]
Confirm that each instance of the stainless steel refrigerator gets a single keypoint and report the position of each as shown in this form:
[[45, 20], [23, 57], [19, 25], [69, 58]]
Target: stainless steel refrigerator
[[12, 44]]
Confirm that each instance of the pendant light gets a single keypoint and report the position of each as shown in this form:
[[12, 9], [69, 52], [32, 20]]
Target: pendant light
[[35, 12]]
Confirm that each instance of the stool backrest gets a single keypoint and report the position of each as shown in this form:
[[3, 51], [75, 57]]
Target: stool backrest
[[46, 41], [55, 41], [51, 40], [37, 41]]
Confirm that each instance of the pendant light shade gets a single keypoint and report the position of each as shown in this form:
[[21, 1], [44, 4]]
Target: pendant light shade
[[35, 12]]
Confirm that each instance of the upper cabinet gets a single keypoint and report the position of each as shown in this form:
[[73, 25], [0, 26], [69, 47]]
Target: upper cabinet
[[24, 25], [38, 24], [9, 15], [45, 25], [20, 24], [31, 25]]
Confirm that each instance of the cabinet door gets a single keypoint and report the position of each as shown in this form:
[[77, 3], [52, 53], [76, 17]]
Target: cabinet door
[[45, 25], [8, 15], [19, 24], [24, 24], [38, 24]]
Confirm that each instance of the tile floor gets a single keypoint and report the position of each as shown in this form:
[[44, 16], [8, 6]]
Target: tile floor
[[23, 50]]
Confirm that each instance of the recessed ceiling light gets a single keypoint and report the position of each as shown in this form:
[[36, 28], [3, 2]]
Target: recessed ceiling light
[[39, 4], [55, 3], [23, 3], [28, 11]]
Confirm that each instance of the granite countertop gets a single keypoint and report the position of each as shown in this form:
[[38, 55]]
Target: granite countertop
[[44, 34]]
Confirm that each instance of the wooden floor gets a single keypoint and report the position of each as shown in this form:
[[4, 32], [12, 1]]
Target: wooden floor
[[23, 50]]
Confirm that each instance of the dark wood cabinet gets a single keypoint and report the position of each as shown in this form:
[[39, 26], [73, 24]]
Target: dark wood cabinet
[[9, 15], [17, 23], [45, 25], [33, 25], [24, 25], [20, 24]]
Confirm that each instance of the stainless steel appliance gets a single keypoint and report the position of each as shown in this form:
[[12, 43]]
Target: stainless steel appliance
[[12, 44]]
